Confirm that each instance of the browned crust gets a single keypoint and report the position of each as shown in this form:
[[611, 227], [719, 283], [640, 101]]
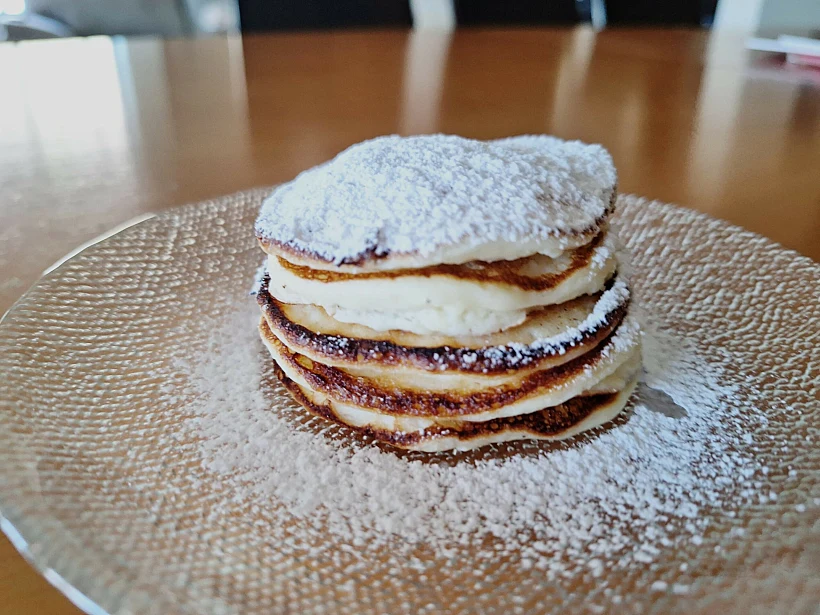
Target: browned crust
[[274, 246], [487, 361], [544, 423], [375, 252], [365, 393], [501, 273]]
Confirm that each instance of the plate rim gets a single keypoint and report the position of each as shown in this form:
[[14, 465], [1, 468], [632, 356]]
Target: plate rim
[[15, 530]]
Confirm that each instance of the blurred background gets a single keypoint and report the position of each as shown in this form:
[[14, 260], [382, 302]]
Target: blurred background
[[26, 19], [111, 109]]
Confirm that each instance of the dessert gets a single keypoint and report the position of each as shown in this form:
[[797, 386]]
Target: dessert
[[439, 293]]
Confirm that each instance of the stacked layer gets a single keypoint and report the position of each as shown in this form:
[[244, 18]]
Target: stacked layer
[[438, 293]]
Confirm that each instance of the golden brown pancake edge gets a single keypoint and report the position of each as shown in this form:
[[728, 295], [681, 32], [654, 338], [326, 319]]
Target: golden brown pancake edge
[[480, 361], [547, 423], [500, 273], [345, 388]]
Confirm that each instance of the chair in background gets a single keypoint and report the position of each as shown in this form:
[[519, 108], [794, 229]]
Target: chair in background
[[271, 15], [267, 15], [520, 12], [660, 13]]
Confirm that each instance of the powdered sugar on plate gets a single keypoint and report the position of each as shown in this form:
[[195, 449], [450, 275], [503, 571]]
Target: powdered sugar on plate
[[613, 499], [415, 195]]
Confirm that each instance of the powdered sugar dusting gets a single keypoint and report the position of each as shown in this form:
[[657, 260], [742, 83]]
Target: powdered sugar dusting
[[613, 500], [415, 195]]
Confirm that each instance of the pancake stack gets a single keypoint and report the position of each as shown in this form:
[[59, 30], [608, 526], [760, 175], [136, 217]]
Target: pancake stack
[[441, 293]]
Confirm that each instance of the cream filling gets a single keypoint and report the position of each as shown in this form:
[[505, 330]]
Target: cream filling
[[432, 321], [440, 303]]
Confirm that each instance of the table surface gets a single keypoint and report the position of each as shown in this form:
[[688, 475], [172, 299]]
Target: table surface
[[96, 131]]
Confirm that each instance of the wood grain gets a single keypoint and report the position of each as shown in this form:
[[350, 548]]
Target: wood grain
[[96, 131]]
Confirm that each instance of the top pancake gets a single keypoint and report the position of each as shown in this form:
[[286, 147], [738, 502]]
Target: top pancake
[[411, 202]]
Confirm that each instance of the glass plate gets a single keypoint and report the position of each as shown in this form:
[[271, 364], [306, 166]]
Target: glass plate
[[125, 497]]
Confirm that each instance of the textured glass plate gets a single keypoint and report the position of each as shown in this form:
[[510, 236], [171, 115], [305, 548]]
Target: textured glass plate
[[97, 486]]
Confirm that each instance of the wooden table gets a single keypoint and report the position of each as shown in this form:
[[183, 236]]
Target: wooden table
[[96, 131]]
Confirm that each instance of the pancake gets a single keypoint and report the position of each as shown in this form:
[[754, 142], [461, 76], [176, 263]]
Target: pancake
[[550, 336], [363, 418], [420, 396], [407, 203], [555, 423], [437, 293], [448, 299]]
